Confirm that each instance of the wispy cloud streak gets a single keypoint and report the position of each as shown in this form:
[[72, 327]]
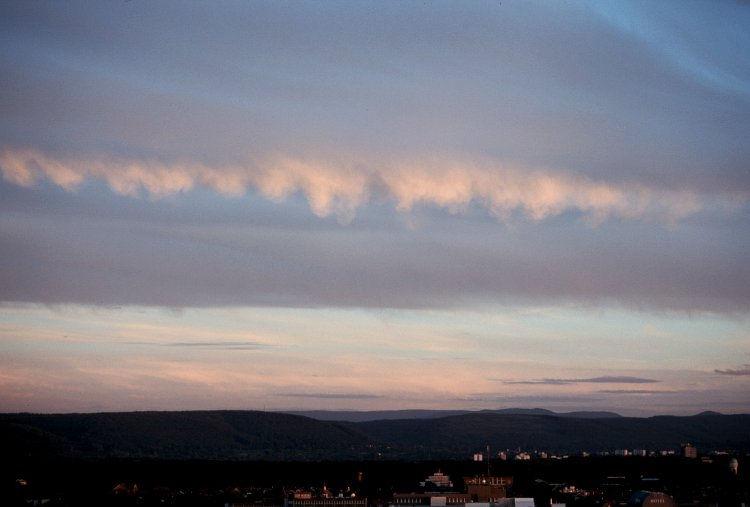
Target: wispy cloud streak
[[633, 391], [216, 345], [592, 380], [333, 396], [739, 372]]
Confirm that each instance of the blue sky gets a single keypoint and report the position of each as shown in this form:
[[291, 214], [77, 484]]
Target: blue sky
[[375, 205]]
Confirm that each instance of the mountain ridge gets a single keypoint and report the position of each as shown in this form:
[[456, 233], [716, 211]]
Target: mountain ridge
[[245, 435], [377, 415]]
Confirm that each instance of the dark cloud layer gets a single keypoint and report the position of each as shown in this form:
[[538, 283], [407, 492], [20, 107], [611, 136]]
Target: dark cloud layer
[[88, 251]]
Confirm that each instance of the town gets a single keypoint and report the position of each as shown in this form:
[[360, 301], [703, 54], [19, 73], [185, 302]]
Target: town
[[506, 478]]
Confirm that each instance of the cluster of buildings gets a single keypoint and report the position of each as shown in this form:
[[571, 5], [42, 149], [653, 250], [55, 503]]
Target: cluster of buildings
[[686, 451], [437, 490]]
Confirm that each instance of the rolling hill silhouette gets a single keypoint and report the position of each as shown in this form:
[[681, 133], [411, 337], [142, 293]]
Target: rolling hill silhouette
[[280, 436]]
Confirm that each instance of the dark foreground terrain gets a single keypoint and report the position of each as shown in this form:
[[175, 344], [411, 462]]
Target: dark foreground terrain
[[215, 483], [250, 435]]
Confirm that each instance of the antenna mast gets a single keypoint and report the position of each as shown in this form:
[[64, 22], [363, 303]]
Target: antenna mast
[[488, 462]]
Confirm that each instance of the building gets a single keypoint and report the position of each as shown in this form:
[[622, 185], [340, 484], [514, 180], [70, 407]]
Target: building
[[344, 501], [434, 499], [689, 451], [438, 480], [515, 502], [487, 489]]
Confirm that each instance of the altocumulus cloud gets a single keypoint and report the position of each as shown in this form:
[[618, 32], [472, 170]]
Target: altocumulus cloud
[[340, 188]]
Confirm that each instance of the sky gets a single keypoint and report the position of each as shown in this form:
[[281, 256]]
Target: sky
[[375, 205]]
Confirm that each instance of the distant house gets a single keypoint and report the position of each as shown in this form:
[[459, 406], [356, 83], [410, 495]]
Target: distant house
[[689, 451], [438, 480]]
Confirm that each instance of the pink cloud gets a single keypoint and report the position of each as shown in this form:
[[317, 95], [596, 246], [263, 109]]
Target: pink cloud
[[339, 188]]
